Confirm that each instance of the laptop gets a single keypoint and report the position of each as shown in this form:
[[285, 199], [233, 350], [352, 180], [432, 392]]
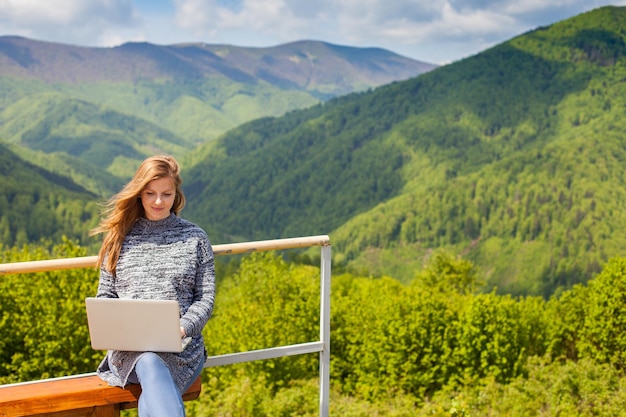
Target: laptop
[[134, 325]]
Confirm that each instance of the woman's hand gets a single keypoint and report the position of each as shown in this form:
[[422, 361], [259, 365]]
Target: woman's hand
[[183, 334]]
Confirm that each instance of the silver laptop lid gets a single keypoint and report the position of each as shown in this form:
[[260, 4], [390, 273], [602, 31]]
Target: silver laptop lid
[[134, 325]]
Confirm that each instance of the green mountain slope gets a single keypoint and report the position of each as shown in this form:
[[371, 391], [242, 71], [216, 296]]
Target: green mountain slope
[[201, 90], [36, 204], [110, 107], [50, 122], [511, 157]]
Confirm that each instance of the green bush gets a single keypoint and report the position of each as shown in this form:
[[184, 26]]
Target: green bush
[[43, 326]]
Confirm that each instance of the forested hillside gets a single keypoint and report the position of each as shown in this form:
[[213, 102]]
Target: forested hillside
[[513, 158], [37, 205]]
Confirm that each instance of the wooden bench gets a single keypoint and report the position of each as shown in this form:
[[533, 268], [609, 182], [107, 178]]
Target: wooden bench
[[80, 396]]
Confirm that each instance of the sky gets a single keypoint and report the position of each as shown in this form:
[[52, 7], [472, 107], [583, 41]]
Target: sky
[[433, 31]]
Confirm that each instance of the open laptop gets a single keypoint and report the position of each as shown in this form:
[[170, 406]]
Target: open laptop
[[134, 325]]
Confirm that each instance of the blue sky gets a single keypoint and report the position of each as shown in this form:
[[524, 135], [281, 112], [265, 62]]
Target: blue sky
[[436, 31]]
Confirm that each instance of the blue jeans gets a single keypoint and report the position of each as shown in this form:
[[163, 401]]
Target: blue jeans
[[159, 394]]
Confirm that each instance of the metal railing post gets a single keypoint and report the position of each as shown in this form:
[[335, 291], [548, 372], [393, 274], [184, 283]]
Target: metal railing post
[[325, 330]]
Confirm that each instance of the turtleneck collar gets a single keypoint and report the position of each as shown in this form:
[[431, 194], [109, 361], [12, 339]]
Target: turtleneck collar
[[157, 224]]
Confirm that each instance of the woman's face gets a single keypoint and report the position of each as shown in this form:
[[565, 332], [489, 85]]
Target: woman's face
[[157, 198]]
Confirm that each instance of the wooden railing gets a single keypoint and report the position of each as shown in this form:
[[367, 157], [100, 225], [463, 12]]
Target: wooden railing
[[86, 395]]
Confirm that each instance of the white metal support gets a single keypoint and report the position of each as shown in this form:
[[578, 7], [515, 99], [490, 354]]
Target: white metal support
[[325, 331], [322, 346]]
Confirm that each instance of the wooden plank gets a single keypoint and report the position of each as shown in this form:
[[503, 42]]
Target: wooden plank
[[112, 410], [80, 396]]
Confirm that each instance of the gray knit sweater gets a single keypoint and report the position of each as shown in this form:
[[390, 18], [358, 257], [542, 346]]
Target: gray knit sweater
[[169, 259]]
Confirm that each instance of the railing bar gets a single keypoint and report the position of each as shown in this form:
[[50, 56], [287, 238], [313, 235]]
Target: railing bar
[[59, 378], [48, 265], [267, 245], [218, 250], [228, 359], [263, 354]]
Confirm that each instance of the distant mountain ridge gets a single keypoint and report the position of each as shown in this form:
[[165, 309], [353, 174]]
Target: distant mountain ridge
[[112, 107], [321, 68]]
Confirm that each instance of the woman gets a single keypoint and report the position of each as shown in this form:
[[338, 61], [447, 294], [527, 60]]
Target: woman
[[148, 252]]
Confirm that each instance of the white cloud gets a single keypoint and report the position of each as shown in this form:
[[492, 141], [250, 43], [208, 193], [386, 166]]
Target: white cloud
[[274, 18], [430, 30], [77, 21], [62, 12], [193, 15], [33, 11], [475, 22]]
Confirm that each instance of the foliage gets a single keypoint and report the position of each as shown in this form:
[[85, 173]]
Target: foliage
[[93, 179], [602, 336], [568, 311], [43, 324], [51, 122], [266, 291], [550, 389], [497, 335], [384, 343], [396, 350], [36, 204], [447, 274]]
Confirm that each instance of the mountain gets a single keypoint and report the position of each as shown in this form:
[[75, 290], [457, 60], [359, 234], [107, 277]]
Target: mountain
[[322, 69], [112, 107], [512, 158], [38, 205]]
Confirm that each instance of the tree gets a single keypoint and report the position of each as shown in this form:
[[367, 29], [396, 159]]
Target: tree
[[43, 325], [446, 273], [602, 336]]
